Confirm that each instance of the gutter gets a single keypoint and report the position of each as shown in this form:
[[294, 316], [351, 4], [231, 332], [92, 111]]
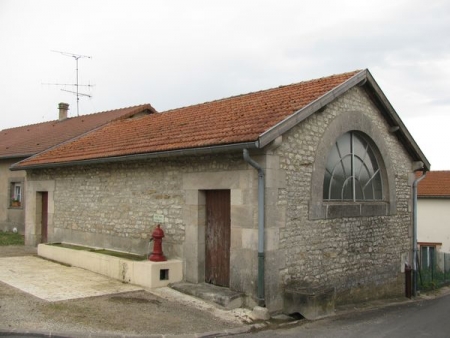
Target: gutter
[[261, 225], [12, 157], [416, 182], [145, 156]]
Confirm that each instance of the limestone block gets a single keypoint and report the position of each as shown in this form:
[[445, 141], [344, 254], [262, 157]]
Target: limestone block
[[260, 313], [236, 238], [272, 239], [275, 178], [236, 197], [243, 216], [311, 302], [250, 239]]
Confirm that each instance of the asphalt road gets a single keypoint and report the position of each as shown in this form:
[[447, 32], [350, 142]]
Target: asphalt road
[[424, 318]]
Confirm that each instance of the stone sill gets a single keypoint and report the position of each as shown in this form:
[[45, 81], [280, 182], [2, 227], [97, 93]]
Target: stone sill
[[330, 210]]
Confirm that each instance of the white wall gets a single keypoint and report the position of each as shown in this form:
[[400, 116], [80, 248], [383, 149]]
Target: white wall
[[433, 221]]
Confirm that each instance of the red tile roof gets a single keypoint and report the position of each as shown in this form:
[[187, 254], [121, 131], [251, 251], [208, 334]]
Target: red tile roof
[[232, 120], [29, 140], [435, 184]]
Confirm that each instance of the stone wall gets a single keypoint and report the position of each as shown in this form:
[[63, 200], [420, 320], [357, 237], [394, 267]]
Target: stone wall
[[112, 205], [360, 256]]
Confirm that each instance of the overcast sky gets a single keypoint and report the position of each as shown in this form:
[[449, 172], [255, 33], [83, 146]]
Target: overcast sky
[[177, 53]]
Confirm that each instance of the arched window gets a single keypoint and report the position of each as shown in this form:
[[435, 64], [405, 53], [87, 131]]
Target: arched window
[[352, 172]]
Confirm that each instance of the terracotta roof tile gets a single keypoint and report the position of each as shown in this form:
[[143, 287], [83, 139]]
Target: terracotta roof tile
[[29, 140], [435, 184], [231, 120]]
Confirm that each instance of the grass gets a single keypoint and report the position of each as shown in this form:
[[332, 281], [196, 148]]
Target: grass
[[10, 238]]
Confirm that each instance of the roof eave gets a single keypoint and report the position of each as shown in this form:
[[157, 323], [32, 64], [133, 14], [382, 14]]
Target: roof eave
[[144, 156], [439, 197], [16, 156]]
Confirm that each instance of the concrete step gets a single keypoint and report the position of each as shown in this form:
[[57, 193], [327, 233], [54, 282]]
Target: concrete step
[[222, 296]]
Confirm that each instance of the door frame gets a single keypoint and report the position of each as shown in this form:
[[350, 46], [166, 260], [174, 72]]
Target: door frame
[[43, 219]]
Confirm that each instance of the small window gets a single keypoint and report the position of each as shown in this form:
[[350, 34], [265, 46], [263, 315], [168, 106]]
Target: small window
[[16, 194], [427, 256], [352, 172]]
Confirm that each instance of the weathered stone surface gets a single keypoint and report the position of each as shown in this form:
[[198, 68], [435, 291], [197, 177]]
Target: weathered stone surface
[[311, 302], [260, 313]]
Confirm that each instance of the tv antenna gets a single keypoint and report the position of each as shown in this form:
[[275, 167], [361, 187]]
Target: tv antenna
[[76, 84]]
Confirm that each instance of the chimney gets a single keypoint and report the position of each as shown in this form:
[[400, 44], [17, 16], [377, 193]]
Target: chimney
[[63, 108]]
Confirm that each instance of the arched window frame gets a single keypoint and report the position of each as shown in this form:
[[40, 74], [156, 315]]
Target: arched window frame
[[352, 171], [341, 124]]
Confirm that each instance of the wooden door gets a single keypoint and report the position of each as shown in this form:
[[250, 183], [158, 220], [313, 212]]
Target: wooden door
[[218, 230], [44, 217]]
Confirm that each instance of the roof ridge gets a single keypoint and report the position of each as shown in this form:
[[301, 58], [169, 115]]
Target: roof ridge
[[123, 108], [80, 116], [265, 90]]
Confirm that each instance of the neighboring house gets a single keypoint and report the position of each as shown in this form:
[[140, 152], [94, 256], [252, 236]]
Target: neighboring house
[[19, 143], [307, 183], [433, 216]]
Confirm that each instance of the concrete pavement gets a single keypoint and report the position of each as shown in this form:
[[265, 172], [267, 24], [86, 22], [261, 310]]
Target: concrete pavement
[[69, 301], [55, 282]]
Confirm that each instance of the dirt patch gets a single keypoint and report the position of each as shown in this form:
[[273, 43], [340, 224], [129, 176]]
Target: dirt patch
[[133, 300], [139, 313]]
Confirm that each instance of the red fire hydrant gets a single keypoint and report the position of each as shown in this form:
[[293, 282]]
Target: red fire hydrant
[[157, 254]]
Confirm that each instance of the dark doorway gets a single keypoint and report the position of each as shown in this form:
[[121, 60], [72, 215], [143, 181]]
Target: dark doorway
[[218, 230], [44, 217]]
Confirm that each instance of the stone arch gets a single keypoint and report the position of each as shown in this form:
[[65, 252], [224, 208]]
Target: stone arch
[[346, 122]]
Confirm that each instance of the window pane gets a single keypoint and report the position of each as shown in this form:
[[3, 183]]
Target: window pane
[[377, 187], [352, 157], [424, 256], [344, 145], [431, 256], [359, 191], [17, 192], [326, 185], [347, 189]]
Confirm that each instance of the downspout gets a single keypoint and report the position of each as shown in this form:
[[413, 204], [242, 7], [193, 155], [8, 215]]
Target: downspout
[[416, 182], [261, 192]]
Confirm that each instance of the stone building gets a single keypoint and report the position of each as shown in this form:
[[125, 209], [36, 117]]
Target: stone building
[[308, 183], [22, 142]]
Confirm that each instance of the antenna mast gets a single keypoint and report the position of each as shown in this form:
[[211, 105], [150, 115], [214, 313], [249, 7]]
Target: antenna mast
[[77, 85]]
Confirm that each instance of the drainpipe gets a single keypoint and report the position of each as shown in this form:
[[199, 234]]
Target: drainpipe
[[416, 182], [261, 192]]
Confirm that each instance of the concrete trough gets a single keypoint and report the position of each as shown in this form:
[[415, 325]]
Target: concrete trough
[[144, 273], [311, 302]]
